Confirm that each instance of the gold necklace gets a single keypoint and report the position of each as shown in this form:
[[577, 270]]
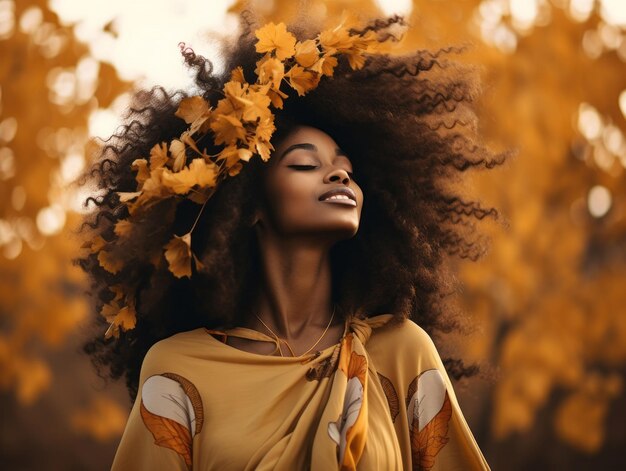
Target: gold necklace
[[278, 339]]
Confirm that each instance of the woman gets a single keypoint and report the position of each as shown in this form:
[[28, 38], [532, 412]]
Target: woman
[[300, 339]]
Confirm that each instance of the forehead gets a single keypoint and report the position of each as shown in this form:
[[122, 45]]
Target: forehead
[[306, 134]]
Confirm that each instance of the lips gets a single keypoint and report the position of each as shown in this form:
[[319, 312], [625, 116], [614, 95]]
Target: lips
[[342, 195]]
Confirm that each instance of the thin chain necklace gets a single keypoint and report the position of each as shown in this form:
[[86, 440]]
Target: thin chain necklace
[[278, 339]]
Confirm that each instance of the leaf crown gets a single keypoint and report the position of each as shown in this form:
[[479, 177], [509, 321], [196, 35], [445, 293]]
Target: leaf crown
[[242, 124]]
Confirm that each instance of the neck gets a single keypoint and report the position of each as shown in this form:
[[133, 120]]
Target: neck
[[295, 287]]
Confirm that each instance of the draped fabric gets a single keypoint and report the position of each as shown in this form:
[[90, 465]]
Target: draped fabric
[[378, 399]]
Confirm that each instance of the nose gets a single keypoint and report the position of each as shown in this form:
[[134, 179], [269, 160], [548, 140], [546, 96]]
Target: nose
[[338, 174]]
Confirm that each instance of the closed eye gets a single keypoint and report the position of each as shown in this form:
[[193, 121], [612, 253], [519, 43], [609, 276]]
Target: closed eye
[[302, 167]]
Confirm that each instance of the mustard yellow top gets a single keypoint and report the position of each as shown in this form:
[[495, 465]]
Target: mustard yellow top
[[378, 400]]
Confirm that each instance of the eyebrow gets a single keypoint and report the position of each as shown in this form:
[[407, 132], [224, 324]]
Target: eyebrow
[[309, 146]]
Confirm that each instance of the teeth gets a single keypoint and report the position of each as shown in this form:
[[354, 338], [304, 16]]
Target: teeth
[[338, 197]]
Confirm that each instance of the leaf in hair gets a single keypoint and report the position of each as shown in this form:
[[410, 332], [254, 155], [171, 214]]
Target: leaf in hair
[[276, 38]]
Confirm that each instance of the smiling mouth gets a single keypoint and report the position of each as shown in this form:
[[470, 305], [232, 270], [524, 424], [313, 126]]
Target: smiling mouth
[[340, 199]]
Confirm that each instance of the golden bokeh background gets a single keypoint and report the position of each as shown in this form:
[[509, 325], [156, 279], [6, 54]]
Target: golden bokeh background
[[547, 302]]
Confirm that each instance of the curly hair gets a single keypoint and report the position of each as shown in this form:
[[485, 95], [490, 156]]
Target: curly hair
[[407, 124]]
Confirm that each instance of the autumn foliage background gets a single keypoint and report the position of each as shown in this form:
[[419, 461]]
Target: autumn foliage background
[[547, 301]]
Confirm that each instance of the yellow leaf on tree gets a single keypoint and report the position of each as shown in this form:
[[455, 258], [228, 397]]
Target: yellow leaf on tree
[[302, 80], [276, 38], [178, 255], [307, 53]]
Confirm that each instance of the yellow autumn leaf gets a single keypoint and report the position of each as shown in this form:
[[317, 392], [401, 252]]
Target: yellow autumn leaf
[[126, 196], [143, 173], [109, 262], [94, 245], [325, 66], [275, 38], [177, 149], [123, 228], [158, 156], [302, 80], [198, 172], [256, 106], [125, 318], [233, 154], [192, 108], [227, 129], [307, 53], [336, 40], [356, 60], [270, 71], [237, 75], [276, 96], [178, 255]]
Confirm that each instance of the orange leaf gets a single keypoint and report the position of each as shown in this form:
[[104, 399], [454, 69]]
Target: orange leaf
[[178, 255], [237, 75], [141, 166], [158, 155], [198, 172], [325, 66], [177, 148], [425, 445], [270, 71], [227, 129], [302, 80], [123, 227], [168, 433], [125, 318], [192, 108], [109, 262], [276, 38], [307, 53]]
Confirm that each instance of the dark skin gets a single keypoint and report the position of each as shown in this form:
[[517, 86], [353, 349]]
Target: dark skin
[[296, 231]]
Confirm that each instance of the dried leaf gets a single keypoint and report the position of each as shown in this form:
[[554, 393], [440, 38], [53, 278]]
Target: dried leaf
[[127, 196], [158, 156], [270, 71], [302, 80], [177, 149], [178, 255], [143, 173], [198, 172], [276, 38], [192, 108], [237, 75], [109, 262], [307, 53], [125, 318], [123, 227], [227, 129]]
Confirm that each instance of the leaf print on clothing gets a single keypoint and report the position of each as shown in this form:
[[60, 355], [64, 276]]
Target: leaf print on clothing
[[171, 409], [391, 395], [428, 412], [349, 431]]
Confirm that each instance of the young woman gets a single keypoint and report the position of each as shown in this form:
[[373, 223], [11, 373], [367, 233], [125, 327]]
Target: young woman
[[301, 339]]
